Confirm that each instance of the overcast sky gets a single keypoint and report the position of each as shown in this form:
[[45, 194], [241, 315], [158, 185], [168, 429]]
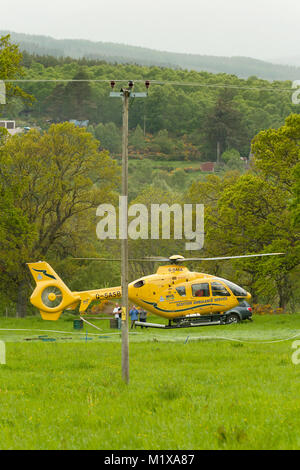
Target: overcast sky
[[263, 29]]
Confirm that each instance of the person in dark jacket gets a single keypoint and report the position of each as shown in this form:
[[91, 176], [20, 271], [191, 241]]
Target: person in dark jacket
[[143, 316]]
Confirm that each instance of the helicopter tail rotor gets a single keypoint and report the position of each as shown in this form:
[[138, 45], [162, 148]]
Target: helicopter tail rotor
[[51, 296]]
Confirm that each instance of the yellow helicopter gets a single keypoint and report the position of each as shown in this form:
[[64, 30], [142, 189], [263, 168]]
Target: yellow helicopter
[[183, 297]]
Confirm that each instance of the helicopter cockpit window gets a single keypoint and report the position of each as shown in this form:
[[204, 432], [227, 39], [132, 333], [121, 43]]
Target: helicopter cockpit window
[[200, 290], [139, 284], [236, 290], [181, 291], [218, 289]]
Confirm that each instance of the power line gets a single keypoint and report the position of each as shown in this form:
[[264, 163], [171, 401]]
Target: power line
[[153, 82]]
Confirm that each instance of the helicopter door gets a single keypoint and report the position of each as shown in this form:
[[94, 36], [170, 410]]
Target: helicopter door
[[201, 292], [221, 297]]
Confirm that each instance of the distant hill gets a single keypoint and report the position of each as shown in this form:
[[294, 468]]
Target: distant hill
[[288, 60], [243, 67]]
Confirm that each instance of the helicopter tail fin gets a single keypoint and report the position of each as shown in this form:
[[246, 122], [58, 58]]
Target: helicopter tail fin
[[42, 271], [51, 295]]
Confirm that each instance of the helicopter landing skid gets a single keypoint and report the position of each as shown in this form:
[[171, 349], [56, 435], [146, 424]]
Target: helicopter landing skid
[[179, 325]]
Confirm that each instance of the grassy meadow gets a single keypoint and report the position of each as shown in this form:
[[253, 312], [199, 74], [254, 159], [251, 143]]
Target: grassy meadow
[[217, 387]]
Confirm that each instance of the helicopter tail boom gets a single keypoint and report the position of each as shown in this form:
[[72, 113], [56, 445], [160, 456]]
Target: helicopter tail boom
[[51, 295]]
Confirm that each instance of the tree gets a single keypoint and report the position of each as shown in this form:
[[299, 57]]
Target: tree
[[55, 104], [208, 192], [10, 68], [295, 201], [153, 247], [232, 158], [224, 126], [137, 138], [54, 181], [109, 136], [17, 237], [164, 142], [253, 218], [78, 98], [277, 152], [276, 159], [244, 215]]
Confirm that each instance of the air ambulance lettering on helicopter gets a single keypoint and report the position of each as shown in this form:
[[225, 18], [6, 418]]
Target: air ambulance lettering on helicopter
[[187, 299]]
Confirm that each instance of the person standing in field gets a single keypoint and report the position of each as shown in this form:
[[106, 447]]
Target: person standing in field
[[119, 318], [143, 316], [134, 316], [117, 314], [115, 311]]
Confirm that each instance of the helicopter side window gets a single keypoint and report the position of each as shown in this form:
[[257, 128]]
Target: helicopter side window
[[181, 291], [139, 283], [218, 289], [200, 290]]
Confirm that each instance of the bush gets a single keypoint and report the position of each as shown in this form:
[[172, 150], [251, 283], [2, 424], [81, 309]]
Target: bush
[[191, 169], [260, 309], [104, 308]]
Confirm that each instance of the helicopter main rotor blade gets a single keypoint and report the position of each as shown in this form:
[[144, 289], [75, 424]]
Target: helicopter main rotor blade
[[159, 260], [98, 259], [231, 257], [130, 259], [179, 260]]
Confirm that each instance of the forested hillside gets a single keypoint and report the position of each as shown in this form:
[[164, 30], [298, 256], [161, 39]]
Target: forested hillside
[[187, 115], [125, 54]]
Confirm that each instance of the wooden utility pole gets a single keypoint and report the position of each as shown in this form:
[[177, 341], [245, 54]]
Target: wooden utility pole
[[125, 93], [124, 241], [218, 152]]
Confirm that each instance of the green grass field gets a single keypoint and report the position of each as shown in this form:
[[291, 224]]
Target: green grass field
[[218, 387]]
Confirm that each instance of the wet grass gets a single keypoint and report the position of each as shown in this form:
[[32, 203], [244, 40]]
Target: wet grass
[[204, 393]]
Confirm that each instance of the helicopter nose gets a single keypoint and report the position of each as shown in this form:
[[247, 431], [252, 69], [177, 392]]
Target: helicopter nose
[[249, 296], [131, 291]]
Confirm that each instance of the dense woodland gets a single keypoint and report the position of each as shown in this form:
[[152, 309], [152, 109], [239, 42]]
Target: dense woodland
[[193, 108], [54, 176]]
